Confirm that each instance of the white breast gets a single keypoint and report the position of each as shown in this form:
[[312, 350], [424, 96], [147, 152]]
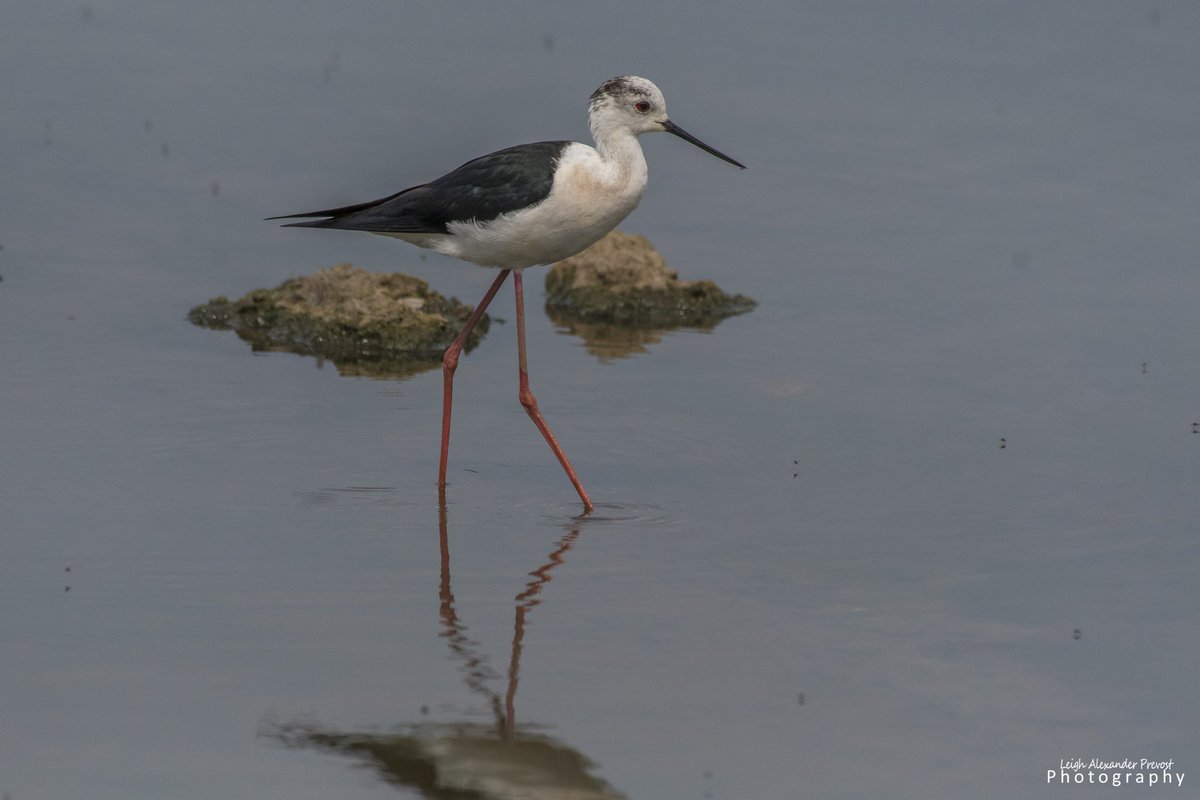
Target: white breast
[[589, 197]]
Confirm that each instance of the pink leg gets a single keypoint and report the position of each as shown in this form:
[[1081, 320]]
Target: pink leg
[[450, 363], [530, 402]]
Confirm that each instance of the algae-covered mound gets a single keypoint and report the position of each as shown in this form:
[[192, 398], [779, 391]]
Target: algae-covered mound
[[619, 297], [623, 280], [383, 325]]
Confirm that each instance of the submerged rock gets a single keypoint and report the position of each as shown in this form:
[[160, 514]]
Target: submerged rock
[[619, 295], [366, 323]]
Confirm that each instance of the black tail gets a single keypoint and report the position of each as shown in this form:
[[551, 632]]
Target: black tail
[[331, 214]]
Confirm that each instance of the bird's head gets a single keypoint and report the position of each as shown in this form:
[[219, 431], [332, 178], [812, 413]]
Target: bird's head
[[636, 105]]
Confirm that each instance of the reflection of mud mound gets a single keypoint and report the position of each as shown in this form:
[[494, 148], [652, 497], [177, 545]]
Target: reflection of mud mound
[[619, 296], [607, 341], [468, 761], [378, 325]]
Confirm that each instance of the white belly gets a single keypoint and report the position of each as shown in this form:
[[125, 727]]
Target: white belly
[[588, 199]]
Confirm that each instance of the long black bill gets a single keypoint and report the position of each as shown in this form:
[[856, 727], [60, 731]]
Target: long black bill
[[671, 127]]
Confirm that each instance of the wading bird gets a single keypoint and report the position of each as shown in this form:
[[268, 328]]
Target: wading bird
[[521, 207]]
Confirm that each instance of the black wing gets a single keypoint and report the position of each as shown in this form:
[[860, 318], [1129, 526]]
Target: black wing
[[481, 189]]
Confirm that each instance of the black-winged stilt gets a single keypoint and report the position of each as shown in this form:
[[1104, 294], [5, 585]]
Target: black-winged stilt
[[521, 207]]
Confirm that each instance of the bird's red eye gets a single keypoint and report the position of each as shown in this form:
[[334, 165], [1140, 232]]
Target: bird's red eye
[[642, 106]]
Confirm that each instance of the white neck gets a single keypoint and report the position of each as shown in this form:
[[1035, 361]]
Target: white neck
[[619, 149]]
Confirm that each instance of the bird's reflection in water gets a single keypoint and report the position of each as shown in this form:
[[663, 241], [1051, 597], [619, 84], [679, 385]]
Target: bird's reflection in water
[[470, 760]]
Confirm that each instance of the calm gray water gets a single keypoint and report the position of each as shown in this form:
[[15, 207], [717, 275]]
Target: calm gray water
[[815, 571]]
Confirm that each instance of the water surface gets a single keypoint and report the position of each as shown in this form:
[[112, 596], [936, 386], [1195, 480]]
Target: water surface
[[921, 525]]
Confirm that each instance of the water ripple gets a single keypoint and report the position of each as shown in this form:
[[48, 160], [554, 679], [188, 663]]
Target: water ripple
[[625, 515]]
